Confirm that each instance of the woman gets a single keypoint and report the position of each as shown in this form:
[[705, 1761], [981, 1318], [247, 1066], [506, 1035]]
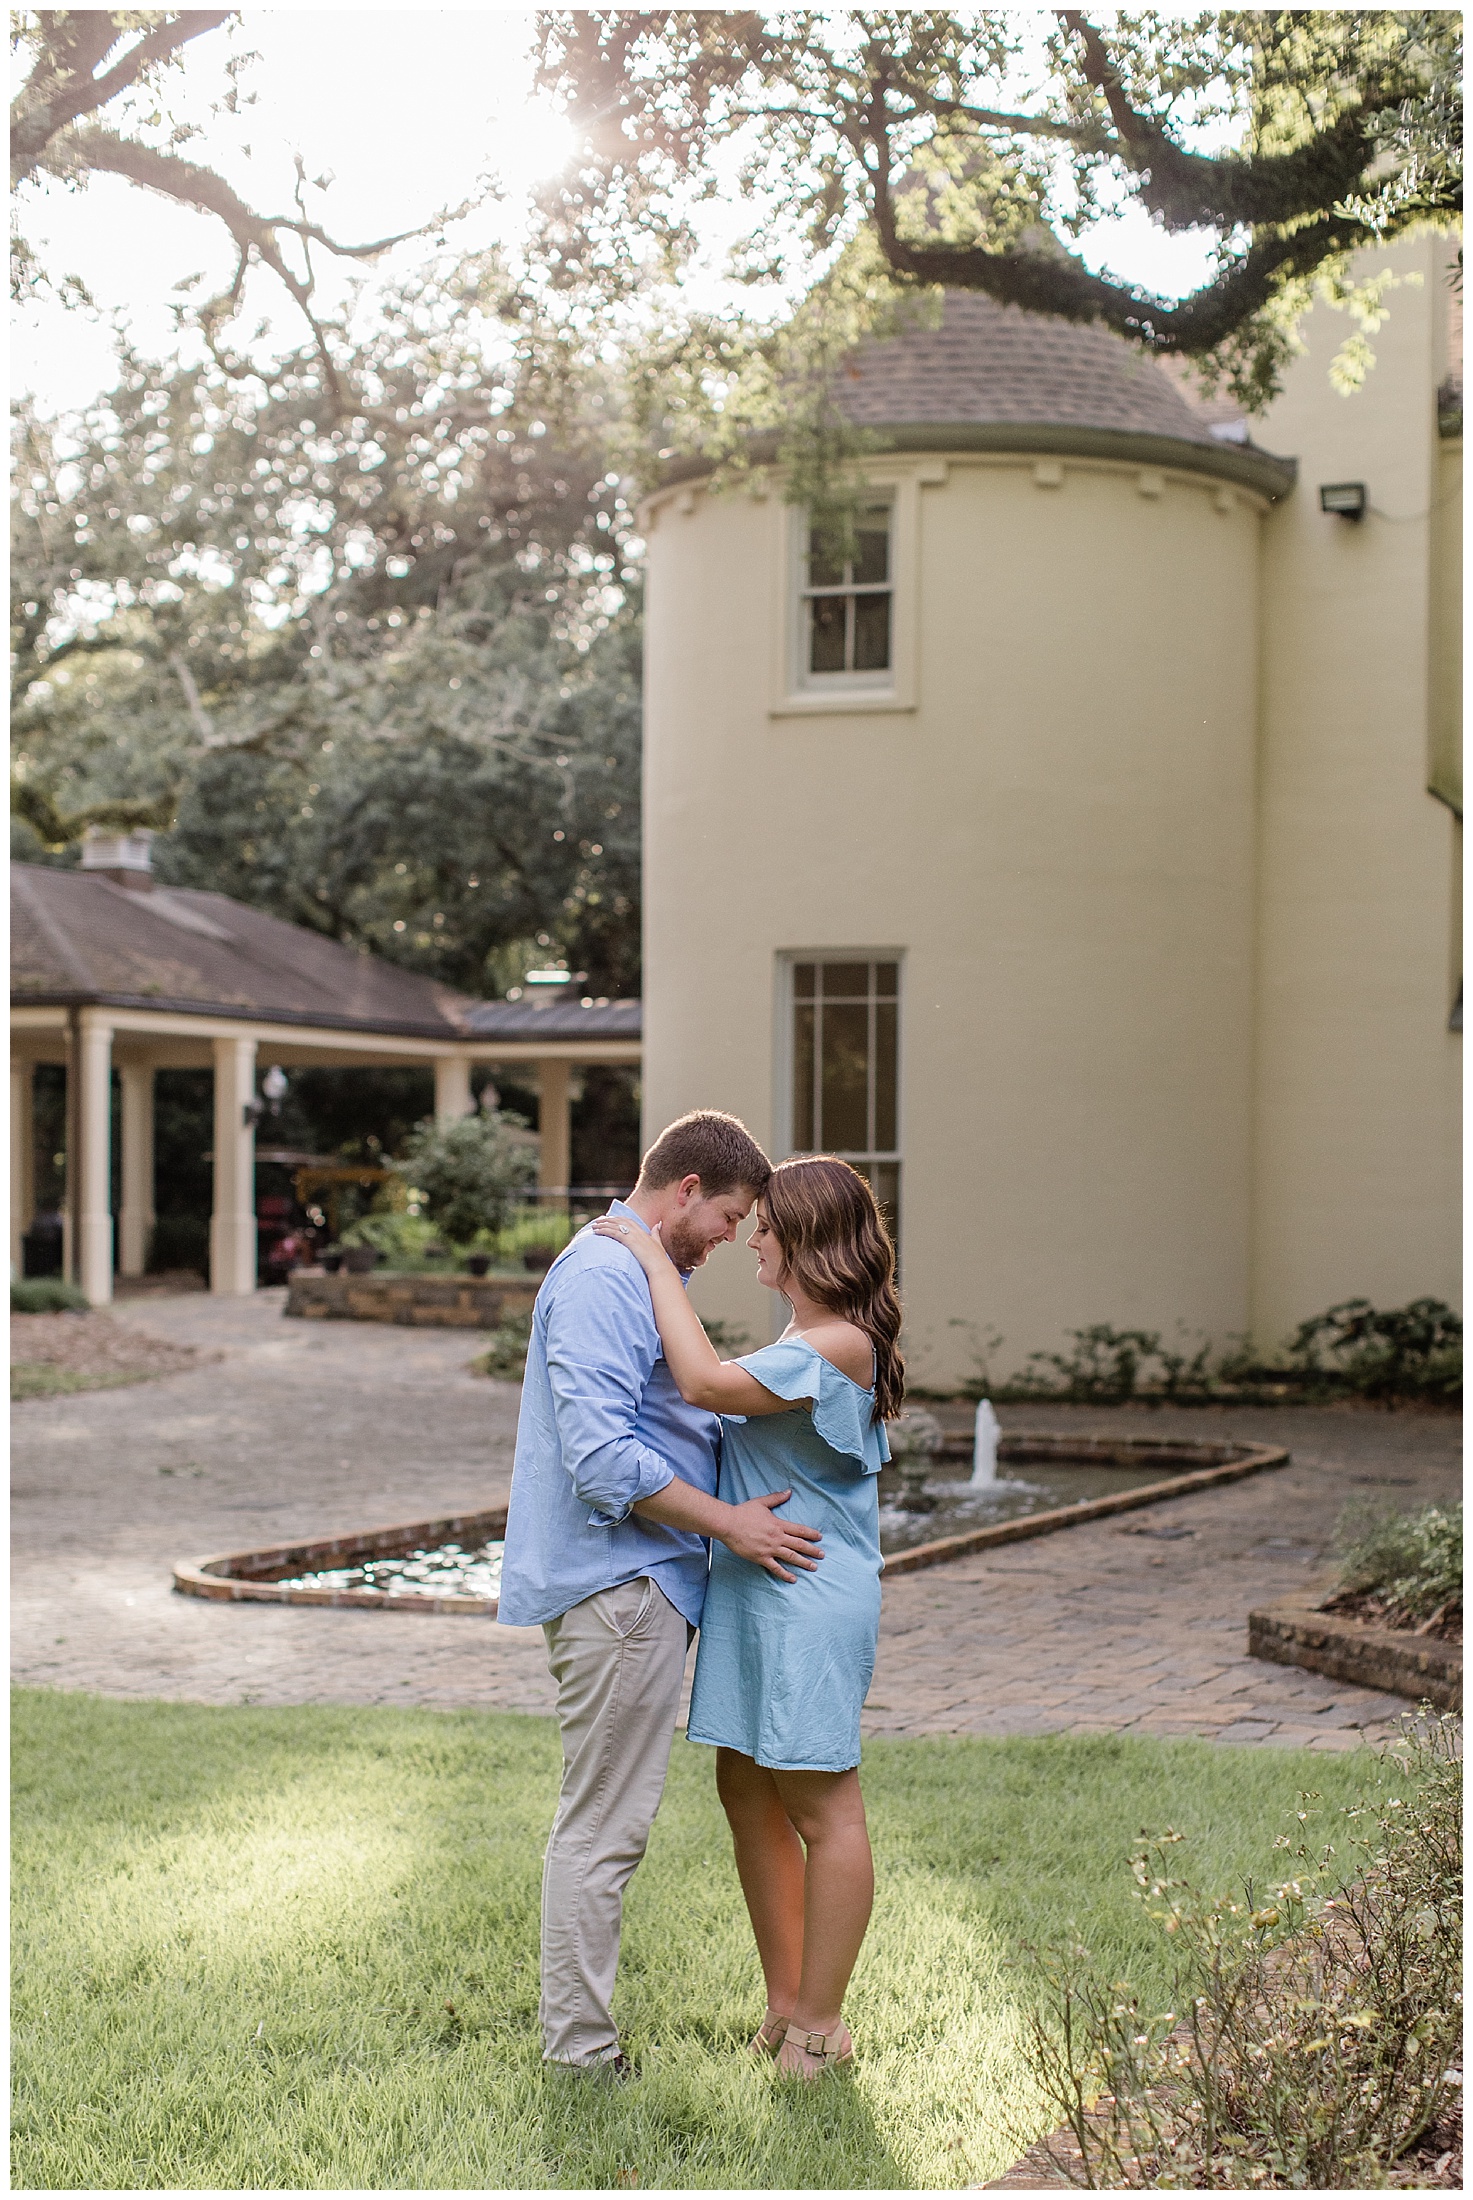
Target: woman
[[785, 1661]]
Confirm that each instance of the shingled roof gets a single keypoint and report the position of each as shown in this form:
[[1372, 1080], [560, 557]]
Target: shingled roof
[[994, 378], [989, 362], [554, 1020], [77, 939]]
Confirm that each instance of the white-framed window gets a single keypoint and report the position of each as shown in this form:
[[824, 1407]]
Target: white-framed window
[[845, 626], [842, 1064], [846, 632]]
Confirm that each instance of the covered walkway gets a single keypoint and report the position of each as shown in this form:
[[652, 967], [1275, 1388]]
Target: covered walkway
[[113, 973]]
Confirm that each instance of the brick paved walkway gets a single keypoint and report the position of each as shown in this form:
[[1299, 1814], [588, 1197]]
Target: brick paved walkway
[[304, 1428]]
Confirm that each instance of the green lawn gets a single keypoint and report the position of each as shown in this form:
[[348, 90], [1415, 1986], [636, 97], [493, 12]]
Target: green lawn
[[299, 1949], [41, 1379]]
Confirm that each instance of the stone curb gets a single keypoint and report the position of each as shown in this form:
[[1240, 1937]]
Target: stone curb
[[245, 1577], [1296, 1632], [411, 1302], [1249, 1459]]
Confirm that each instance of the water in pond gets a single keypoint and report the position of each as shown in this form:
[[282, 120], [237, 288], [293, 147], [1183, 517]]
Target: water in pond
[[959, 1504], [447, 1570]]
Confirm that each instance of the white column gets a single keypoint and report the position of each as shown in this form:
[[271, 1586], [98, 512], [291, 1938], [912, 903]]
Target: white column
[[95, 1155], [452, 1087], [554, 1103], [22, 1157], [233, 1223], [135, 1212]]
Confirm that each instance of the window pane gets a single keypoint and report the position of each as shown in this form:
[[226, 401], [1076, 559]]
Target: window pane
[[887, 979], [871, 633], [803, 1138], [845, 1078], [884, 1176], [824, 570], [803, 981], [847, 981], [826, 636], [885, 1138], [872, 550]]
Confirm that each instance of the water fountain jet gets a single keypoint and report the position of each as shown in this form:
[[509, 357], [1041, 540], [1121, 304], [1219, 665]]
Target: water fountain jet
[[984, 1445]]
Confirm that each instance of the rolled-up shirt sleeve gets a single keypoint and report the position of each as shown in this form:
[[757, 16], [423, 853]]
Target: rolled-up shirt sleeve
[[602, 1346]]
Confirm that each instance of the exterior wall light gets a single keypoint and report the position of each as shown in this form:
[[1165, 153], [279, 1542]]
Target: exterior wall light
[[273, 1085], [1347, 499]]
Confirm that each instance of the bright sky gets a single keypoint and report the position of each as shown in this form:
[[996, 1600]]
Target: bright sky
[[407, 110]]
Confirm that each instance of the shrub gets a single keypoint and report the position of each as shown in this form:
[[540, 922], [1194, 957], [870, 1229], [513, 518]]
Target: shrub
[[728, 1338], [1412, 1561], [469, 1171], [505, 1356], [1318, 2017], [1411, 1352], [1403, 1352], [47, 1295], [405, 1242], [1104, 1367]]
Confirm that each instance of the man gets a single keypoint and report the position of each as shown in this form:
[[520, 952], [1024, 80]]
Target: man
[[612, 1495]]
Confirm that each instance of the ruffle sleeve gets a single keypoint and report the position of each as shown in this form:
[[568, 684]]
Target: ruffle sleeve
[[841, 1410]]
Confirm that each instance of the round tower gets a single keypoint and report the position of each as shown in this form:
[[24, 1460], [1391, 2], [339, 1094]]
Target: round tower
[[949, 848]]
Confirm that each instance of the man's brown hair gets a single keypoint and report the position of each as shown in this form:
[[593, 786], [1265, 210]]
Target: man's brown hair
[[715, 1147]]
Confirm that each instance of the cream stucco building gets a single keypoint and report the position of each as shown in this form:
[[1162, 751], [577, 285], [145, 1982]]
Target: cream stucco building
[[1081, 858]]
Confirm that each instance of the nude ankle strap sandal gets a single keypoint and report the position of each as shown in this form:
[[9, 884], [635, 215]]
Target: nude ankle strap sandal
[[827, 2049], [769, 2036]]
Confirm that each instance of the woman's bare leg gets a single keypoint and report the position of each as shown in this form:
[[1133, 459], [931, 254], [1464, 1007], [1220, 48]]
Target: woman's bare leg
[[827, 1811], [769, 1862]]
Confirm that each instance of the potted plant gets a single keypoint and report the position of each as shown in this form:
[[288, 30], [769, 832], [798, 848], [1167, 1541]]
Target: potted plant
[[536, 1239]]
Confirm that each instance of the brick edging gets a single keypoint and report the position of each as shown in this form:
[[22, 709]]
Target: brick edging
[[1252, 1459], [1296, 1632], [244, 1577]]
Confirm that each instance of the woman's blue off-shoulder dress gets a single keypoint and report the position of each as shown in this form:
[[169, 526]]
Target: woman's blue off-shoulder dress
[[784, 1666]]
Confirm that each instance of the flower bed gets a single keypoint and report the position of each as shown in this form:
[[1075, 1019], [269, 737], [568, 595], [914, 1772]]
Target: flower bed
[[53, 1354], [1318, 2042], [1308, 1632]]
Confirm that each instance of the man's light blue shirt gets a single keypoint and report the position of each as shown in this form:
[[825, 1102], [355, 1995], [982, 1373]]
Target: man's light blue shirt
[[602, 1425]]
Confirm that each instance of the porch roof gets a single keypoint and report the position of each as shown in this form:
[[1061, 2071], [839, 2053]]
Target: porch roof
[[533, 1020], [77, 939]]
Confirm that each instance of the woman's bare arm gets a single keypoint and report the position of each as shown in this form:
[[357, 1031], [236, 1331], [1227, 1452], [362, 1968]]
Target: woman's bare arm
[[702, 1377]]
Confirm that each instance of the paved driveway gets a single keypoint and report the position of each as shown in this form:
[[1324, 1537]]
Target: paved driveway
[[303, 1428]]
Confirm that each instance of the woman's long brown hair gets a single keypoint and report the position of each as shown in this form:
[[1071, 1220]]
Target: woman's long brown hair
[[834, 1241]]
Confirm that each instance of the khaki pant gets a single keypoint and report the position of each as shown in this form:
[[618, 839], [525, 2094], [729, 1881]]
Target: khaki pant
[[618, 1659]]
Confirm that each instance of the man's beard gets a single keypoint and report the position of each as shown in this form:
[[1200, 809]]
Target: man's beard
[[684, 1246]]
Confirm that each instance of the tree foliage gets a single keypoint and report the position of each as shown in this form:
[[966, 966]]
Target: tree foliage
[[379, 659], [94, 101], [971, 153]]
